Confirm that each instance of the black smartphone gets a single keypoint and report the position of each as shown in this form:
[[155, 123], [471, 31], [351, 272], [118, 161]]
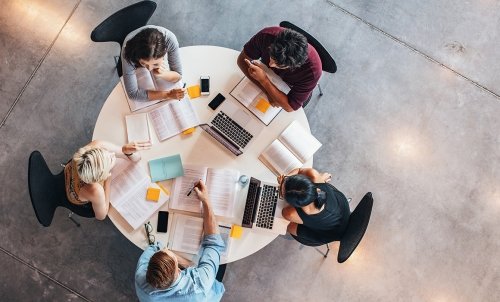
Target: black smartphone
[[205, 85], [216, 101], [162, 222]]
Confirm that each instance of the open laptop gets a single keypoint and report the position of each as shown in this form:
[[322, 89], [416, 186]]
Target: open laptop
[[263, 208], [233, 127]]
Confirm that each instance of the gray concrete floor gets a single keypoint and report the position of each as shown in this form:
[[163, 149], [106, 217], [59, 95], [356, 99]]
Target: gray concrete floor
[[411, 115]]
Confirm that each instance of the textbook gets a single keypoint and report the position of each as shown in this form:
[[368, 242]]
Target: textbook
[[148, 81], [129, 185], [290, 150], [254, 99], [166, 168], [222, 186], [173, 118], [186, 234], [137, 127]]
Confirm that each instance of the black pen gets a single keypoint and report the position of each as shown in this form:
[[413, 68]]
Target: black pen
[[190, 191]]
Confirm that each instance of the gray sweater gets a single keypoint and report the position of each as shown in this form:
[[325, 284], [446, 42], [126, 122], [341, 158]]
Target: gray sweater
[[172, 62]]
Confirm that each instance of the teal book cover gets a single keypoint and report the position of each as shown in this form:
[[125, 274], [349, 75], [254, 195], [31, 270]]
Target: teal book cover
[[166, 168]]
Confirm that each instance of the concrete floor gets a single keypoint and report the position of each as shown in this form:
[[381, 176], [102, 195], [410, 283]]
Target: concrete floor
[[411, 115]]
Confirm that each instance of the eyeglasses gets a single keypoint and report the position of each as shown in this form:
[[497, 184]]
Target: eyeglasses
[[281, 187], [149, 230]]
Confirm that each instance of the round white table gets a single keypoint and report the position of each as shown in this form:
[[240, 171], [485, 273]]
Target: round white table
[[199, 148]]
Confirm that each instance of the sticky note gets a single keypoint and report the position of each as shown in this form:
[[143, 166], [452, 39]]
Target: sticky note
[[194, 91], [236, 231], [153, 194], [262, 105], [189, 131]]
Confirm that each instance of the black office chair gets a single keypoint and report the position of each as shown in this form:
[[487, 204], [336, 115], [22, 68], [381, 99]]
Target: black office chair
[[327, 62], [356, 227], [48, 191], [117, 26]]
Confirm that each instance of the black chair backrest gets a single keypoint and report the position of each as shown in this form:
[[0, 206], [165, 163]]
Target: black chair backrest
[[358, 222], [326, 59], [42, 188], [48, 191], [117, 26]]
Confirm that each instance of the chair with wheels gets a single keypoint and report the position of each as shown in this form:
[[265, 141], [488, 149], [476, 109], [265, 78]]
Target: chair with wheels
[[327, 62], [117, 26], [48, 191], [355, 230]]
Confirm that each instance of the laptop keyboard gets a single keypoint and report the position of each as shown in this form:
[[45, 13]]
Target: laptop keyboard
[[267, 207], [250, 204], [226, 125]]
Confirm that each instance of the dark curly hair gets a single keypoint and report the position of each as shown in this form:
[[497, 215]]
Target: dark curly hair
[[301, 191], [149, 43], [289, 49]]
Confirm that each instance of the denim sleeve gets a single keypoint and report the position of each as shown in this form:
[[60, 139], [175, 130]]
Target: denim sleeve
[[209, 260]]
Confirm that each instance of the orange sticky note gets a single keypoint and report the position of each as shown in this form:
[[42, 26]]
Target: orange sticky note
[[189, 131], [153, 194], [194, 91], [236, 231], [262, 105]]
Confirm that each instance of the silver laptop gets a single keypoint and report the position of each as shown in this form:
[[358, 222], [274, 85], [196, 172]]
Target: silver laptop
[[263, 208], [233, 127]]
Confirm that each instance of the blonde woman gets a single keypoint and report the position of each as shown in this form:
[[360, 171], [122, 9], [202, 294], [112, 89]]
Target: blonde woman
[[88, 174]]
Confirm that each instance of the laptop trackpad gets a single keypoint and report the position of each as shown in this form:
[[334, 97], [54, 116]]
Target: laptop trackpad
[[242, 118]]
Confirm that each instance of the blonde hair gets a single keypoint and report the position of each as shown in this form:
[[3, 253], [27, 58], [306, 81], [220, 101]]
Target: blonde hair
[[92, 164]]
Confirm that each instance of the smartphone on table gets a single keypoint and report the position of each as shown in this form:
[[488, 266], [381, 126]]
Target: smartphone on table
[[162, 222], [205, 85]]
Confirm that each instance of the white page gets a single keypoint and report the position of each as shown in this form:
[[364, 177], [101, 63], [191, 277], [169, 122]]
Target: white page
[[225, 232], [163, 122], [182, 185], [128, 193], [164, 85], [144, 79], [137, 127], [302, 144], [185, 114], [188, 233], [246, 91], [279, 159], [222, 188]]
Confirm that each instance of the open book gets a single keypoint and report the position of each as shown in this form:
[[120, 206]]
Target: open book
[[186, 233], [291, 150], [146, 80], [253, 98], [129, 183], [222, 186], [137, 127], [173, 117]]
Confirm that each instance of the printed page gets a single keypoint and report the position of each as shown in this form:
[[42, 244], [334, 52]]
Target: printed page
[[164, 122], [163, 85], [144, 79], [279, 159], [137, 127], [222, 189], [225, 231], [301, 143], [128, 195], [182, 185], [188, 233], [184, 114], [246, 92], [136, 105]]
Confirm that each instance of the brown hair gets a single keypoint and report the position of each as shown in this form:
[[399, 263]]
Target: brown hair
[[149, 43], [161, 270]]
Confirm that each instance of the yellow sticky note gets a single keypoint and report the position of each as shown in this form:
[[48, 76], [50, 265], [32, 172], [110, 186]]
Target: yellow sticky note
[[194, 91], [189, 131], [236, 231], [153, 194], [262, 105]]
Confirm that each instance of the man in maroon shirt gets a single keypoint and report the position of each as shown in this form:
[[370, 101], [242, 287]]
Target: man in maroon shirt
[[289, 55]]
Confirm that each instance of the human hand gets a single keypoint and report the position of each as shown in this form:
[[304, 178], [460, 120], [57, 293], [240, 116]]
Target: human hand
[[160, 71], [326, 177], [280, 178], [176, 93], [256, 71], [130, 149], [201, 190]]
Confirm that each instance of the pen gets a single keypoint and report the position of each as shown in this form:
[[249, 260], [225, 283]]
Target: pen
[[184, 86], [192, 188]]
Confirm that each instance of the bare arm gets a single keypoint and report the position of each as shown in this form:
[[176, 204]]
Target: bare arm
[[126, 151], [99, 198], [290, 214], [209, 222]]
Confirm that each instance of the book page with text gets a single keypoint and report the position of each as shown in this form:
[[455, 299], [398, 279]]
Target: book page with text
[[144, 79], [301, 143], [222, 185], [182, 185], [281, 160], [163, 122], [246, 91], [164, 85], [188, 233], [185, 114]]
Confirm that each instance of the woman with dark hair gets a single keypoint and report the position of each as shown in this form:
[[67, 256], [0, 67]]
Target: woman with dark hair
[[147, 47], [317, 211]]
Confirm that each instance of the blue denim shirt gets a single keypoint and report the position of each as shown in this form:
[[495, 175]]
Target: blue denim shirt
[[193, 284]]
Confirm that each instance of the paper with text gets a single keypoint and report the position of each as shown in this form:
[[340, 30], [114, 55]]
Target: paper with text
[[173, 118], [187, 233]]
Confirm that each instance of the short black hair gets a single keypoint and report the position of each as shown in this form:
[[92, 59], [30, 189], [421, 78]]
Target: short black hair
[[301, 191], [149, 43], [289, 49]]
